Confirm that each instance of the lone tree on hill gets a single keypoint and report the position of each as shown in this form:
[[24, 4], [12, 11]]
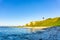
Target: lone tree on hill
[[43, 18]]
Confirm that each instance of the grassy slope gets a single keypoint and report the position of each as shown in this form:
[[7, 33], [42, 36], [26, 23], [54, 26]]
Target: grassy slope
[[47, 22]]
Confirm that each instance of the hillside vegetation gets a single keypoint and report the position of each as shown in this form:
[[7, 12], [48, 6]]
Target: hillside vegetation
[[46, 22]]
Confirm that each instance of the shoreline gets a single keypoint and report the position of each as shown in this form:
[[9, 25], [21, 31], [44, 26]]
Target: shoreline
[[32, 29]]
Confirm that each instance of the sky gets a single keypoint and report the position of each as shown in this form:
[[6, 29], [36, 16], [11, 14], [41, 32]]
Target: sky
[[20, 12]]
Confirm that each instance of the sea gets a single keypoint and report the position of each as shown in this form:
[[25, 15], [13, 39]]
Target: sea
[[14, 33]]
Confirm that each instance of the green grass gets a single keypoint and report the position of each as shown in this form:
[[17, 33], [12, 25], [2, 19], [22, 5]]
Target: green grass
[[46, 22]]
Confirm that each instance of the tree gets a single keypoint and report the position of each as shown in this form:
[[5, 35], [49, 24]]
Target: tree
[[31, 23], [43, 18], [27, 25]]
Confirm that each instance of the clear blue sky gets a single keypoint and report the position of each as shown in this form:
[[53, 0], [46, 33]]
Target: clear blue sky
[[19, 12]]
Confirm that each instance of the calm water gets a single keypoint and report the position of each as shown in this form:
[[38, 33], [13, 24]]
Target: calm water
[[8, 30], [8, 33]]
